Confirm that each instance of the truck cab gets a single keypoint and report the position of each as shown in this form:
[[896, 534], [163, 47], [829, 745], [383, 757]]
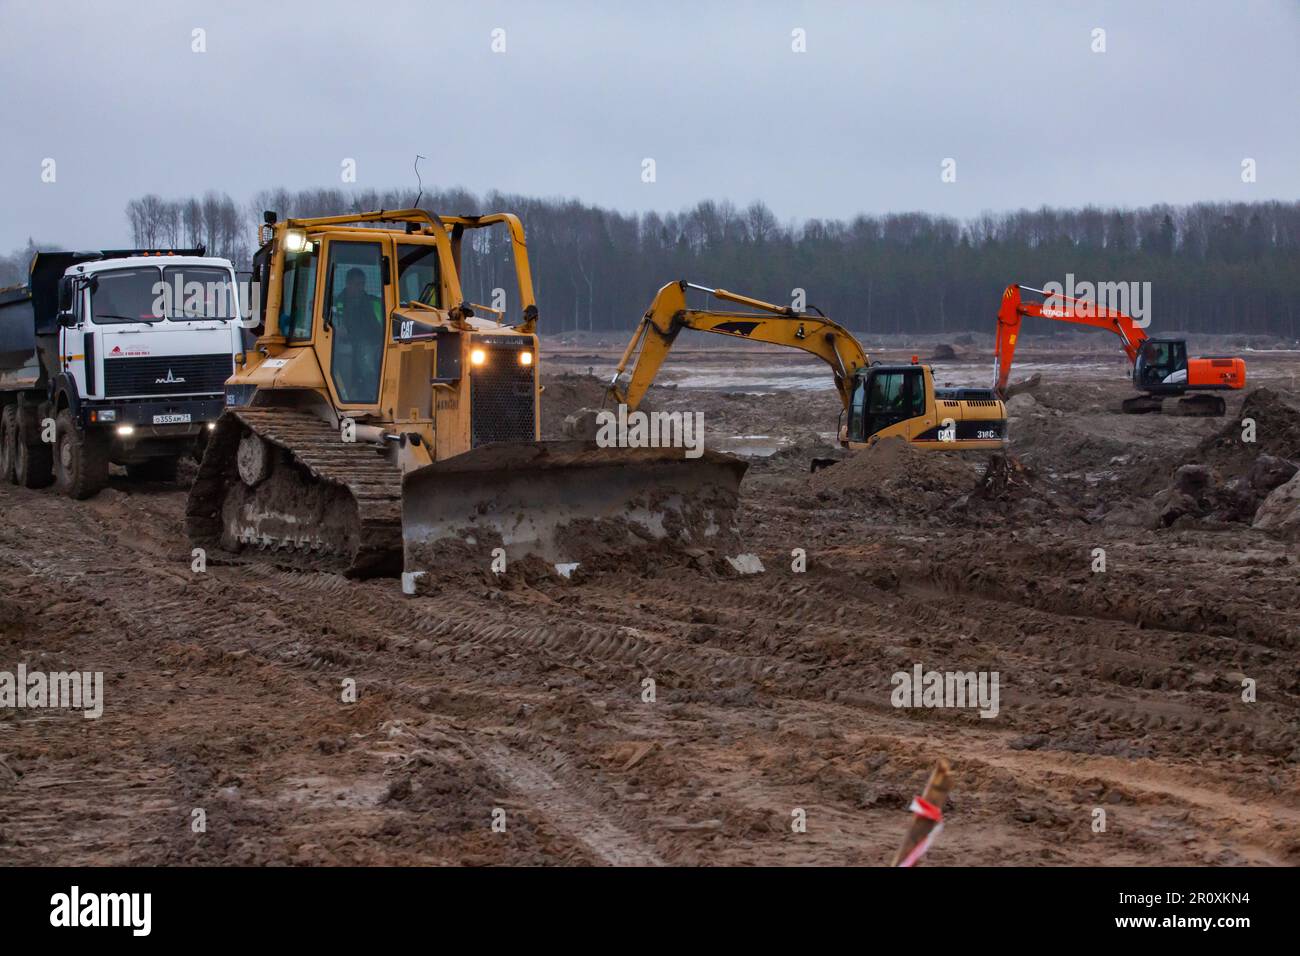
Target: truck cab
[[113, 357]]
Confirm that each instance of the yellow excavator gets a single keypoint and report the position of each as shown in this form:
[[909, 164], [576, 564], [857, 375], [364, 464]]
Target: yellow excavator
[[880, 401], [381, 422]]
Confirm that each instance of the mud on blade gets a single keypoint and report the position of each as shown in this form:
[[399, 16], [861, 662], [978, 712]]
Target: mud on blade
[[567, 502]]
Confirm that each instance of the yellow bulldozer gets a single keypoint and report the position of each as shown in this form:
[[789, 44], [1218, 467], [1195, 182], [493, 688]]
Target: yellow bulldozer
[[879, 401], [381, 422]]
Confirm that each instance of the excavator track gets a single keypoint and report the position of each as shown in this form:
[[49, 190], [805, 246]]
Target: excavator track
[[316, 501]]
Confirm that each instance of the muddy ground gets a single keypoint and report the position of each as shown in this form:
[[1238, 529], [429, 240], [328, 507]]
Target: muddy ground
[[1119, 691]]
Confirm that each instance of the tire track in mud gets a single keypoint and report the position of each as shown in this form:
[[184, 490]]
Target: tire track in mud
[[857, 661], [552, 632], [564, 810], [564, 806], [659, 639]]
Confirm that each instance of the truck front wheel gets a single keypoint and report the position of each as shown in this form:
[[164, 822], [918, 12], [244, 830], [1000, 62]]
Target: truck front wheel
[[8, 443], [81, 462]]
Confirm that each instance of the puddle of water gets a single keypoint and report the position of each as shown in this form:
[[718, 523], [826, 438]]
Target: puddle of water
[[751, 446], [764, 379]]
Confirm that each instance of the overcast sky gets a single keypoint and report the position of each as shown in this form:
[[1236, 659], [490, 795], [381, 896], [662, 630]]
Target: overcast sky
[[584, 92]]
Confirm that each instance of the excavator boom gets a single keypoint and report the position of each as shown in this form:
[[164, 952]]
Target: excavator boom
[[668, 315], [1056, 306]]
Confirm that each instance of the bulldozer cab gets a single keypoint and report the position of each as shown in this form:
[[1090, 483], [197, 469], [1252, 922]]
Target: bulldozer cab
[[337, 293], [885, 396], [367, 311], [1161, 366]]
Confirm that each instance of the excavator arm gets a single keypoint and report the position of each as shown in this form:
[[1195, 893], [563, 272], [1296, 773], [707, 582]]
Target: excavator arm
[[1064, 308], [778, 325]]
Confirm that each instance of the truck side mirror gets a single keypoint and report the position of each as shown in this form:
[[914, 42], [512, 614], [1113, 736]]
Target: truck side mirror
[[65, 294], [67, 319]]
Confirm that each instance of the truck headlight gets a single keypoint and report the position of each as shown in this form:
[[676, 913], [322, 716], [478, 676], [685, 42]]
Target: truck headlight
[[477, 357], [126, 429], [104, 415], [525, 357]]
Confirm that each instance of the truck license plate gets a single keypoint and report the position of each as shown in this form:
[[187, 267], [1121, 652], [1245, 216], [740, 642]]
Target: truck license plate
[[171, 419]]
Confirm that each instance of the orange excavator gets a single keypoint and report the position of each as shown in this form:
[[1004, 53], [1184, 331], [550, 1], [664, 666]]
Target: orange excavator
[[1161, 367]]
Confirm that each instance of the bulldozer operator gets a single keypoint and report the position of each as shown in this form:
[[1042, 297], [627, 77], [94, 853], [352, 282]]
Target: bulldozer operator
[[359, 323]]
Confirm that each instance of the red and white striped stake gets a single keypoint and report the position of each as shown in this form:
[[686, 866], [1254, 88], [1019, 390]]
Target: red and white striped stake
[[927, 817]]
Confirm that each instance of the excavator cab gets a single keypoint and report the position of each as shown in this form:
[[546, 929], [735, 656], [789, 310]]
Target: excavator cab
[[903, 401], [883, 397], [1161, 366]]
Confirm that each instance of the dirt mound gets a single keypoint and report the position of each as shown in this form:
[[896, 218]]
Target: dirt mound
[[1199, 495], [1225, 478], [894, 472], [564, 395], [1280, 511], [1276, 420], [1050, 440]]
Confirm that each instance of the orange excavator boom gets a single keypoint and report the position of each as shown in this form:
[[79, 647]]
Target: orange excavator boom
[[1055, 306]]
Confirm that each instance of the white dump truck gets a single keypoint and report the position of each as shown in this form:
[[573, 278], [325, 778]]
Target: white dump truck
[[114, 356]]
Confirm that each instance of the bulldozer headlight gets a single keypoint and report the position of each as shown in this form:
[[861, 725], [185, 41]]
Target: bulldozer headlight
[[477, 357], [295, 240], [525, 358]]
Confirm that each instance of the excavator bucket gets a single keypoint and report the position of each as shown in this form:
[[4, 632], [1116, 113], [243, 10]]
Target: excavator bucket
[[568, 503]]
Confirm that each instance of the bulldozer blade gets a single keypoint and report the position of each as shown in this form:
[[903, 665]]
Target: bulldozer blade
[[568, 503]]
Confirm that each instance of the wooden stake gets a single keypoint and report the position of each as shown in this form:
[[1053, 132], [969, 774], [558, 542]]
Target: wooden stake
[[936, 792]]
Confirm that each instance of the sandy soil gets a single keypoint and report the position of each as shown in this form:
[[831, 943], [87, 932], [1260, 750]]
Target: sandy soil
[[1119, 690]]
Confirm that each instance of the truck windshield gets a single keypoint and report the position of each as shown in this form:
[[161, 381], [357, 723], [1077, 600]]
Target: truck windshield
[[127, 295], [199, 292], [174, 293]]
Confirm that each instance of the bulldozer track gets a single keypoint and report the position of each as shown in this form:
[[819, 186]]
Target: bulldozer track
[[375, 487]]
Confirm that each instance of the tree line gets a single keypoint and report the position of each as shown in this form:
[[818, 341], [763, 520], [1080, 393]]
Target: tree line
[[1213, 267]]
